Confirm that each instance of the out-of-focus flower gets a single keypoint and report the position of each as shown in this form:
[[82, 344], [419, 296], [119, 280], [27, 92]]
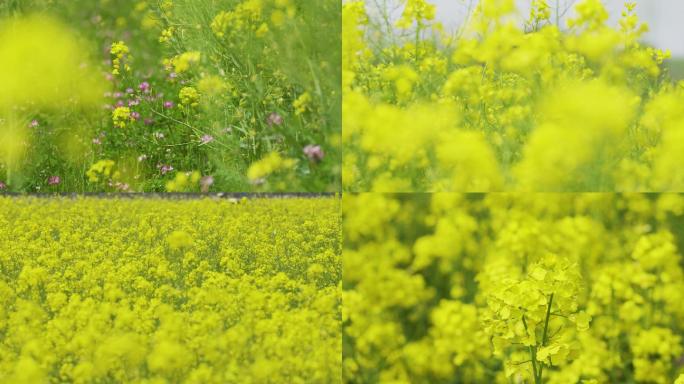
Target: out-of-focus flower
[[97, 141], [274, 119], [166, 35], [148, 121], [129, 90], [680, 379], [144, 86], [302, 103], [269, 164], [158, 135], [54, 180], [184, 182], [134, 102], [164, 169], [314, 152], [34, 123], [102, 170], [206, 139], [168, 104], [142, 157], [212, 85], [135, 115], [205, 183], [2, 186], [179, 240], [184, 61]]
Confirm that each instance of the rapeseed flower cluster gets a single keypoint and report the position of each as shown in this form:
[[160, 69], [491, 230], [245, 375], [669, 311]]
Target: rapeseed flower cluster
[[272, 165], [506, 103], [101, 170], [189, 97], [189, 182], [184, 61], [153, 291], [121, 116], [120, 55], [513, 288]]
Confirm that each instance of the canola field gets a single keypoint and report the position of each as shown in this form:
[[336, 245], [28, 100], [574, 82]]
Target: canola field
[[513, 288], [170, 95], [553, 99], [340, 191], [169, 291]]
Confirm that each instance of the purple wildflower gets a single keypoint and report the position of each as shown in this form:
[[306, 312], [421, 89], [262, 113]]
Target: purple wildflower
[[314, 153], [166, 169], [206, 139], [168, 104], [144, 86], [34, 123], [54, 180], [135, 116], [120, 103], [117, 95], [2, 186], [274, 119], [129, 90], [133, 103]]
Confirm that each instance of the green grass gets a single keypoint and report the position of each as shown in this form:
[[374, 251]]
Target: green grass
[[265, 76]]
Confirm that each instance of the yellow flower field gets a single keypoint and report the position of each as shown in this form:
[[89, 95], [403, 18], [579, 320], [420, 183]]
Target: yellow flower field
[[169, 291], [513, 288], [510, 101]]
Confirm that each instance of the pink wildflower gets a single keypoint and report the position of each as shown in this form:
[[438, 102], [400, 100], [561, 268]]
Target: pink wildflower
[[314, 153]]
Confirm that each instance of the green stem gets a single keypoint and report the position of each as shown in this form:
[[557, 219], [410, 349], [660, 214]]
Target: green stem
[[545, 333], [546, 321], [533, 357], [418, 29]]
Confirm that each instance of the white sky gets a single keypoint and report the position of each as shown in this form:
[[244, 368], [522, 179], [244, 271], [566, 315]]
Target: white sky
[[664, 18]]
